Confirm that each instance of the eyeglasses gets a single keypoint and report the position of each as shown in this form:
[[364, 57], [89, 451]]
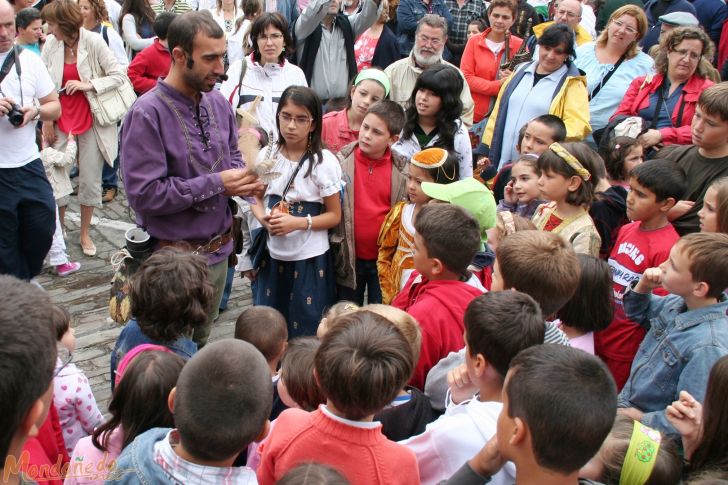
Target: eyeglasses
[[434, 41], [271, 37], [682, 53], [64, 357], [286, 119], [621, 25]]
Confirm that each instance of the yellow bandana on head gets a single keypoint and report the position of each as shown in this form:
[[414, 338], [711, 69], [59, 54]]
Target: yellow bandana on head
[[571, 160], [641, 455], [429, 158]]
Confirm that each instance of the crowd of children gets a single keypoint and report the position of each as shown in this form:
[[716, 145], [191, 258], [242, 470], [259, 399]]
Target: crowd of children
[[408, 329]]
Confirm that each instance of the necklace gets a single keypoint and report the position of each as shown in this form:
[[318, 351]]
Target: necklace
[[72, 48]]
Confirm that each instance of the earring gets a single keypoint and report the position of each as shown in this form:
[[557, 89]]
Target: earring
[[308, 147]]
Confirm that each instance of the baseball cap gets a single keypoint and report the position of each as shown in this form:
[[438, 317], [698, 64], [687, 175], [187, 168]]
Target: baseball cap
[[469, 194]]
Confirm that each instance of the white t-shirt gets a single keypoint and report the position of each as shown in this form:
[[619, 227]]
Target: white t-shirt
[[324, 180], [17, 145]]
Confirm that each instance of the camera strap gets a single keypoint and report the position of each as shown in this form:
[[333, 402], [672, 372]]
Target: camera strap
[[8, 64]]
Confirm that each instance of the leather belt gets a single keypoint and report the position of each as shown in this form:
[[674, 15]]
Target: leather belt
[[199, 246]]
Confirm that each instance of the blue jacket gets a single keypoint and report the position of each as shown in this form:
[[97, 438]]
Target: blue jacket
[[136, 462], [409, 12], [653, 35], [132, 335], [137, 465], [676, 355], [289, 10]]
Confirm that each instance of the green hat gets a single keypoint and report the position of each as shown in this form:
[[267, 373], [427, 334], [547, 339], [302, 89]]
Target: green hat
[[469, 194]]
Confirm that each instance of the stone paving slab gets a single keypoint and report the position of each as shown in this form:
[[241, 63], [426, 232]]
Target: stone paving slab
[[85, 294]]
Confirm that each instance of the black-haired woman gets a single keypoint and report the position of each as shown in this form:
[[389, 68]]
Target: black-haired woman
[[549, 85]]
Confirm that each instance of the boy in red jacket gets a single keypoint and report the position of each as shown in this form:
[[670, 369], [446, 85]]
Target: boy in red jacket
[[437, 294], [153, 62]]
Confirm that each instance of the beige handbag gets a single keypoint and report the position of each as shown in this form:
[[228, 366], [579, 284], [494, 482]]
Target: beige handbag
[[110, 107]]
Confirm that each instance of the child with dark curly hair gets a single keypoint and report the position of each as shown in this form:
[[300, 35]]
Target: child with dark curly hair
[[170, 296]]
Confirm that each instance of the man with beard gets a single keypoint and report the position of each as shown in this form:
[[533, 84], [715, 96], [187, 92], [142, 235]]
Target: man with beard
[[179, 153], [430, 40]]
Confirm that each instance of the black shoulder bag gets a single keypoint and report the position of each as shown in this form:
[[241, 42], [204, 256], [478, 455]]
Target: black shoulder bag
[[605, 79]]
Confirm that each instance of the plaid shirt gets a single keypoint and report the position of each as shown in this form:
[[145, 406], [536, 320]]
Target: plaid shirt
[[462, 16]]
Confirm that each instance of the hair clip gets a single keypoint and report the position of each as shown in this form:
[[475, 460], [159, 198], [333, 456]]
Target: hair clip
[[617, 146], [571, 160]]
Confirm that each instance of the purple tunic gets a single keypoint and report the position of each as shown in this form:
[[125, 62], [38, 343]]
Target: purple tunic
[[171, 159]]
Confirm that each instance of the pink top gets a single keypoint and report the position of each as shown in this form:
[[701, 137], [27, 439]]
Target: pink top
[[76, 405], [76, 112], [336, 133], [89, 465], [364, 50]]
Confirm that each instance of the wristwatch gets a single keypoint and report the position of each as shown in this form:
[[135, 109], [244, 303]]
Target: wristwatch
[[36, 105]]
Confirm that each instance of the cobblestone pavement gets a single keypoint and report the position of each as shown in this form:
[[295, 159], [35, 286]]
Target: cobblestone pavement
[[86, 293]]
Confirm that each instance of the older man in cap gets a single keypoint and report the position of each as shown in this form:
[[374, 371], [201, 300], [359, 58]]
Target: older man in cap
[[682, 19]]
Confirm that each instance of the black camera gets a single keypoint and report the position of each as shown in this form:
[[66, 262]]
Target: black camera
[[15, 116]]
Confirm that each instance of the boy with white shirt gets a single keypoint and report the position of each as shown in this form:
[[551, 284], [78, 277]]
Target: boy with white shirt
[[498, 326]]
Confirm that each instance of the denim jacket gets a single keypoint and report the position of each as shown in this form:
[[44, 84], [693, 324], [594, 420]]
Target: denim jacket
[[132, 335], [677, 353], [150, 459]]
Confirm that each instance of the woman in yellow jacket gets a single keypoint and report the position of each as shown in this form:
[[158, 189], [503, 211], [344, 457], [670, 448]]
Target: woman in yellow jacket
[[549, 85]]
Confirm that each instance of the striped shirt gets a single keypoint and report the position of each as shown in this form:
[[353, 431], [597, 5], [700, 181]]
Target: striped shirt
[[179, 7]]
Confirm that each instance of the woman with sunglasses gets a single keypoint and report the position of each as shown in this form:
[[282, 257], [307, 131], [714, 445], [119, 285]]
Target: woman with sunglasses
[[613, 61], [549, 85], [667, 100]]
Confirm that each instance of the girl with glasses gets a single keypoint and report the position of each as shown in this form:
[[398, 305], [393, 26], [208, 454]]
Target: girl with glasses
[[295, 273]]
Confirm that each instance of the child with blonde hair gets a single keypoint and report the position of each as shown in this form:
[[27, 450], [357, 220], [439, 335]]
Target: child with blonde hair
[[409, 412]]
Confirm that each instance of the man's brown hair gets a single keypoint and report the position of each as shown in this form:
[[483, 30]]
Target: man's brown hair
[[170, 294], [540, 264], [708, 255], [510, 5], [265, 328], [363, 362]]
